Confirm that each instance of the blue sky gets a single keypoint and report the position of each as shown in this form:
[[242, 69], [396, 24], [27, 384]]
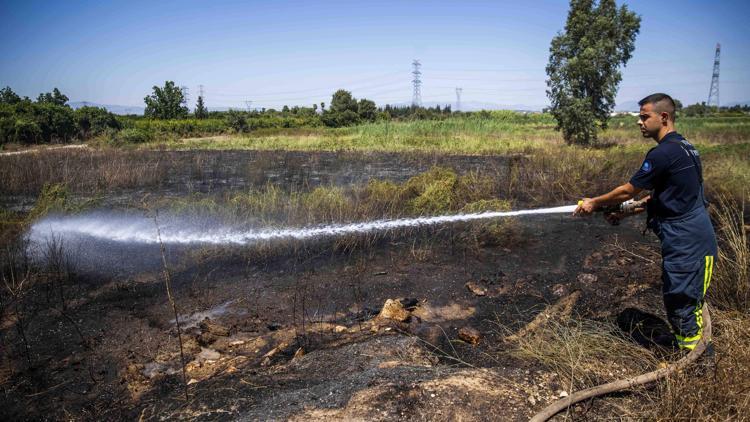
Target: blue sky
[[299, 52]]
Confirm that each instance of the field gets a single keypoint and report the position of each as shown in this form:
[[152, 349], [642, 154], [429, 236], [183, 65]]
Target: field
[[425, 323]]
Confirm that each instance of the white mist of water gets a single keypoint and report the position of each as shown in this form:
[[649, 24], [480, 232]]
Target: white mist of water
[[135, 229]]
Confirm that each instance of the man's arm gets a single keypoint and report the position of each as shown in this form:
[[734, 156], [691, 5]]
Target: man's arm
[[615, 196]]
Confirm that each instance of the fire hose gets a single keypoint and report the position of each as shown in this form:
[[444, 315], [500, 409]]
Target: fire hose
[[630, 383]]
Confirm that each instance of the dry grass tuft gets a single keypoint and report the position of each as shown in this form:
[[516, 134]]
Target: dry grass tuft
[[730, 287], [585, 353]]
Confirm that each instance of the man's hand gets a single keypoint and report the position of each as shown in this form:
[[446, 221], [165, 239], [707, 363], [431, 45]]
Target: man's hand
[[585, 207]]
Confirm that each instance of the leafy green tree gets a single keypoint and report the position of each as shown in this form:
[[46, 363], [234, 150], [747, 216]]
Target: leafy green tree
[[55, 97], [7, 96], [201, 112], [237, 121], [584, 66], [697, 109], [166, 102], [56, 123], [342, 101], [92, 121], [367, 110]]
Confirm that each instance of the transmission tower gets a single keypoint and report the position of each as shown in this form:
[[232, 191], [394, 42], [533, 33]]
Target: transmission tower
[[185, 95], [200, 91], [458, 98], [416, 99], [249, 105], [713, 94]]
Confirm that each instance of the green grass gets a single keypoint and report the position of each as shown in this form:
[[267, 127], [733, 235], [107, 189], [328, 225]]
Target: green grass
[[490, 133]]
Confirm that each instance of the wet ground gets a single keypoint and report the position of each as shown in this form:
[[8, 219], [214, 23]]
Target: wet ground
[[294, 338], [293, 333]]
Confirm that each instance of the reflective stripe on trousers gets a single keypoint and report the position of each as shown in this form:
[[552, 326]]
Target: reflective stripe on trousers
[[691, 341]]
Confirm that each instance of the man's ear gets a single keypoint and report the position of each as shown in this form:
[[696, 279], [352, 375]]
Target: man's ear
[[664, 117]]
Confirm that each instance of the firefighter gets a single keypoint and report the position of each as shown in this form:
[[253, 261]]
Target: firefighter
[[676, 213]]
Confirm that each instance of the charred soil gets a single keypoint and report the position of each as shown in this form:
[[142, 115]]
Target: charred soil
[[306, 336]]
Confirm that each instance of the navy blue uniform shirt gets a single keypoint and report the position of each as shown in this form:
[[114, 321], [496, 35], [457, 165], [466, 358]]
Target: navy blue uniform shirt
[[672, 170]]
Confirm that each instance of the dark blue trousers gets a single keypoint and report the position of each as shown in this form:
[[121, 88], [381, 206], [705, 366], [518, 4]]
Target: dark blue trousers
[[688, 250]]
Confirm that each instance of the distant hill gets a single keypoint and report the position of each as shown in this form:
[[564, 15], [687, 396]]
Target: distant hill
[[627, 106], [476, 106], [116, 109]]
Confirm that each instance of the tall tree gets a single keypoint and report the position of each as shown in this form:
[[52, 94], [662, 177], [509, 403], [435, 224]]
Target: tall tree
[[7, 96], [166, 102], [55, 97], [342, 101], [367, 110], [201, 112], [584, 66]]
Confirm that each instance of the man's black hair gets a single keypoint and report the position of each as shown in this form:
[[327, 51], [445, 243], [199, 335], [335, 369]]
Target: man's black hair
[[662, 102]]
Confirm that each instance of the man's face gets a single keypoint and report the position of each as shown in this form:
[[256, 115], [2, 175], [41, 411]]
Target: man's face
[[649, 121]]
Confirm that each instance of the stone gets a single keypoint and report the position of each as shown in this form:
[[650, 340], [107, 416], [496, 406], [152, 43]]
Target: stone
[[393, 309], [562, 394], [470, 335], [273, 352], [208, 354], [206, 339], [212, 327], [299, 353], [475, 288], [587, 278], [339, 329], [409, 303], [559, 290]]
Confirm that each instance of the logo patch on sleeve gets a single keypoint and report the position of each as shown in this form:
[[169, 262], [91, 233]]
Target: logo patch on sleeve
[[646, 167]]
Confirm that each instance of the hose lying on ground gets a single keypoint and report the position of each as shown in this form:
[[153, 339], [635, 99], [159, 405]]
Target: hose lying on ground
[[629, 383]]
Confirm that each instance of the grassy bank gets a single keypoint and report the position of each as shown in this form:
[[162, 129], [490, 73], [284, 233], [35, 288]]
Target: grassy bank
[[496, 133]]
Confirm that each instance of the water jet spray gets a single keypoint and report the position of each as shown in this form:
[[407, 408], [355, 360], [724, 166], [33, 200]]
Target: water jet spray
[[140, 230]]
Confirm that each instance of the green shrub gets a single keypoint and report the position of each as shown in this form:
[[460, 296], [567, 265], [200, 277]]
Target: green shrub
[[93, 121], [133, 136]]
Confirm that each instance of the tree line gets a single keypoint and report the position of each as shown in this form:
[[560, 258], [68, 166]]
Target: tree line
[[50, 119]]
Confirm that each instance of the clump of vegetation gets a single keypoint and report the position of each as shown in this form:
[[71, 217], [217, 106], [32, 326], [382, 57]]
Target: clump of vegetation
[[497, 232], [437, 191], [730, 285], [584, 353]]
